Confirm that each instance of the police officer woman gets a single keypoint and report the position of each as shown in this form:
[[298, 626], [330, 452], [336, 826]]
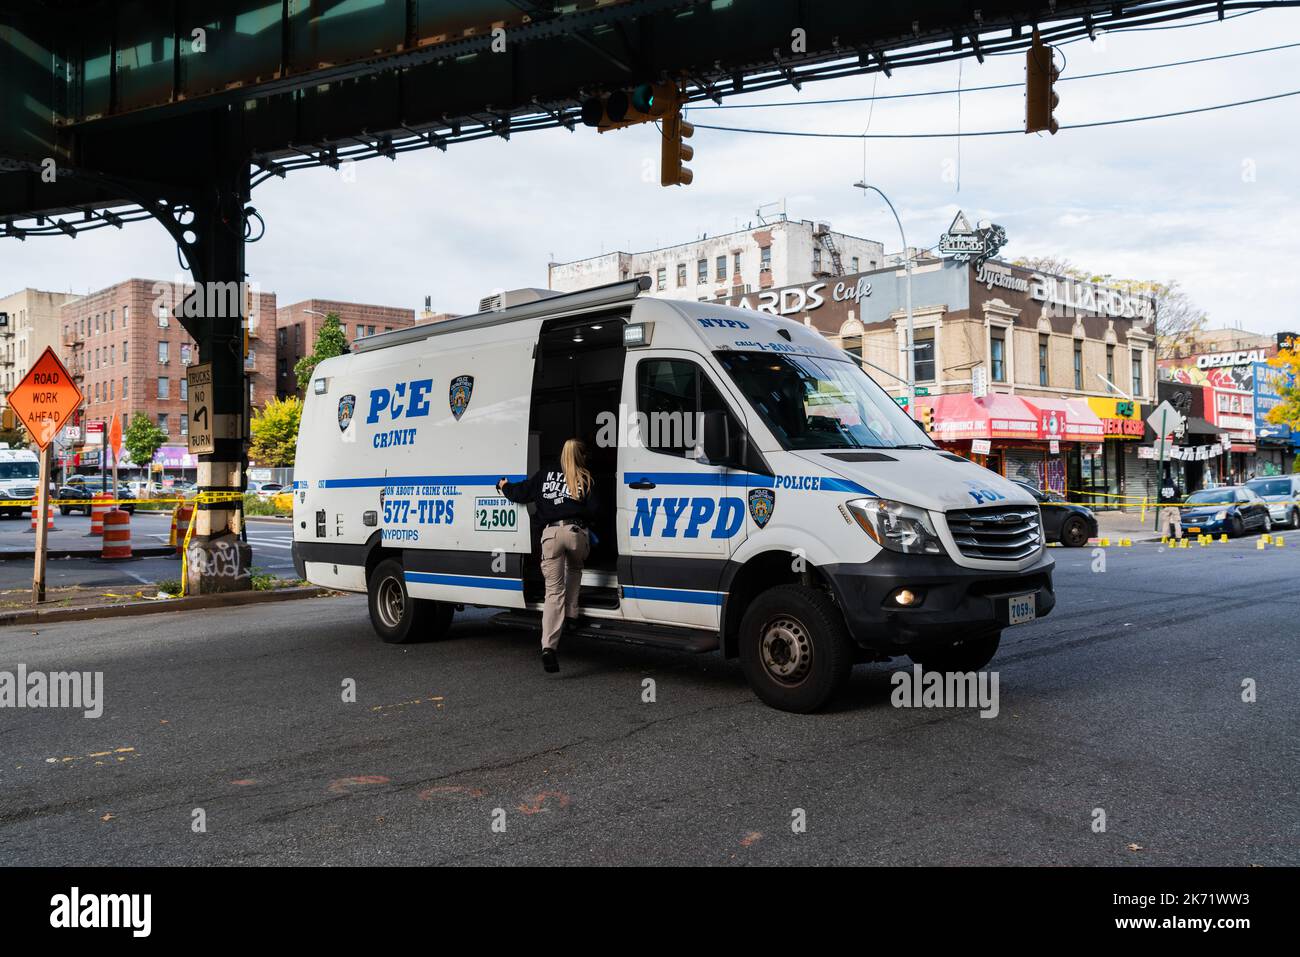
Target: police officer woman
[[565, 497]]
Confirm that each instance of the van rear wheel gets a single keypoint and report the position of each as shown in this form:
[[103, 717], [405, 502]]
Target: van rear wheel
[[794, 648], [397, 617]]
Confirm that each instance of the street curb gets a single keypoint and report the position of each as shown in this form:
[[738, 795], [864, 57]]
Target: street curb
[[276, 519], [136, 608], [147, 551]]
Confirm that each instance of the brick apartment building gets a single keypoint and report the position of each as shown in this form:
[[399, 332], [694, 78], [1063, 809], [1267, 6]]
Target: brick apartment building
[[31, 323], [129, 353], [297, 325]]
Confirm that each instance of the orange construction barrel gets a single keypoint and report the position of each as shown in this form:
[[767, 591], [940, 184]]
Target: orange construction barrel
[[117, 535], [49, 517], [97, 512], [180, 524]]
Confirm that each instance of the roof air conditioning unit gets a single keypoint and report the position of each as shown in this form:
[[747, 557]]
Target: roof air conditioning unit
[[513, 297]]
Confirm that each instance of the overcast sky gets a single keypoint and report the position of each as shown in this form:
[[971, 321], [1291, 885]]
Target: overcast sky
[[1209, 200]]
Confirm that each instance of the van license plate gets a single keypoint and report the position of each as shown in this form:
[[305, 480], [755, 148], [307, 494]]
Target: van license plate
[[1022, 609]]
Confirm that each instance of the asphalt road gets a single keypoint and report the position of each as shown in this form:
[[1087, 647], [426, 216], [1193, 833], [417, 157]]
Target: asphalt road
[[1127, 699], [271, 542]]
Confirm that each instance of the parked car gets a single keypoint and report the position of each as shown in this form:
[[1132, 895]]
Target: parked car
[[1071, 525], [1282, 493], [83, 490], [266, 490], [1232, 509]]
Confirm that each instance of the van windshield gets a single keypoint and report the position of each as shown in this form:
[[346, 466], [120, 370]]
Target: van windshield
[[18, 470], [815, 403]]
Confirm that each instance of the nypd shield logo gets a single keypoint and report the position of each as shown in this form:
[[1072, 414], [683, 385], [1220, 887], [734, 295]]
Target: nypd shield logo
[[462, 387], [347, 405], [761, 503]]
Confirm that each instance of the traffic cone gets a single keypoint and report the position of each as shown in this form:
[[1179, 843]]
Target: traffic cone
[[1260, 544], [1278, 541]]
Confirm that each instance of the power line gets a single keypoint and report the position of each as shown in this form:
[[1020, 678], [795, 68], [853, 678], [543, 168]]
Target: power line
[[1067, 126], [996, 86]]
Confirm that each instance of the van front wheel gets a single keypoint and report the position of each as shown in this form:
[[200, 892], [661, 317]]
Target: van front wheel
[[396, 616], [794, 648]]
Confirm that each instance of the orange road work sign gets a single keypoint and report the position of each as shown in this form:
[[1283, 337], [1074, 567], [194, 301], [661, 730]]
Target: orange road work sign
[[46, 398], [115, 437]]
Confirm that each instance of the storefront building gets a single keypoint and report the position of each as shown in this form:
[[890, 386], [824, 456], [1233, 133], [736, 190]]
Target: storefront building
[[1040, 378], [1275, 443], [1229, 382], [1201, 456]]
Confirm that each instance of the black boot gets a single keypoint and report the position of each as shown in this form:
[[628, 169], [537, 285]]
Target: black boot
[[550, 661]]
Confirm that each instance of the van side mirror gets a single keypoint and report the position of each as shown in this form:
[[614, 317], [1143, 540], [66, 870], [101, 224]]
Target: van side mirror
[[716, 441]]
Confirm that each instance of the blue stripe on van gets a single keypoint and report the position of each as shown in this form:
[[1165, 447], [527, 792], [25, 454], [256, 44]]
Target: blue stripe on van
[[829, 483], [379, 481], [465, 581], [673, 594]]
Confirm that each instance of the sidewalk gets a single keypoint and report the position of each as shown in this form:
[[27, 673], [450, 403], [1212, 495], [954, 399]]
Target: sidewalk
[[1116, 524]]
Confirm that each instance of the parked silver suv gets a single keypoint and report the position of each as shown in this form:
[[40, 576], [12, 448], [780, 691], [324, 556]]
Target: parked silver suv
[[1282, 493]]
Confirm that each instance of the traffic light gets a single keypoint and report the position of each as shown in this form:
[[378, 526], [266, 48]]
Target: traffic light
[[675, 153], [927, 419], [641, 104], [1040, 82]]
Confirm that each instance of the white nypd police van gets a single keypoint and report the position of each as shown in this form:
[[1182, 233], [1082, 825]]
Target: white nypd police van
[[759, 494]]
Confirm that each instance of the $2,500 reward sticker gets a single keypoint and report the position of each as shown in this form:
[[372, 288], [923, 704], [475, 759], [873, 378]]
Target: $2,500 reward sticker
[[495, 514]]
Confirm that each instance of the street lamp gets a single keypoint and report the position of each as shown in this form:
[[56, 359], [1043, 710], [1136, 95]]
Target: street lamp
[[907, 261]]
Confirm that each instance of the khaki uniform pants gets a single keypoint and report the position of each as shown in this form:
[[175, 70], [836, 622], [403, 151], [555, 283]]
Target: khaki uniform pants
[[1171, 522], [564, 549]]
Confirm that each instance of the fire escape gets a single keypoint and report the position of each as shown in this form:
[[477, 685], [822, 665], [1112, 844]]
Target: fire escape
[[823, 235]]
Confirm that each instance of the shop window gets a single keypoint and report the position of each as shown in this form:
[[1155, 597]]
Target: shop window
[[923, 346], [998, 355]]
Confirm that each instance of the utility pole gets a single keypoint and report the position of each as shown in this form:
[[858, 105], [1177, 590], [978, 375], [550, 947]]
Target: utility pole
[[911, 331]]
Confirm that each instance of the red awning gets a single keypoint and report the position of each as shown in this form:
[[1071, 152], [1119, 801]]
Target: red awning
[[997, 416], [1066, 420]]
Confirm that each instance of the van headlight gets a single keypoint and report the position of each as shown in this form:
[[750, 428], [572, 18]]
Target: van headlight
[[896, 526]]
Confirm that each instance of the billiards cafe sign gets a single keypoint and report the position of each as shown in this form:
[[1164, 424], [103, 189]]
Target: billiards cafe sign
[[797, 299]]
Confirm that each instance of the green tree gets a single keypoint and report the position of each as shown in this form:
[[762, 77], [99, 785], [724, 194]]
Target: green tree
[[275, 432], [142, 439], [330, 341]]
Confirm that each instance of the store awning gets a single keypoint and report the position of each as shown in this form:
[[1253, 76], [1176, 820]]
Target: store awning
[[1065, 420], [997, 416], [1198, 426]]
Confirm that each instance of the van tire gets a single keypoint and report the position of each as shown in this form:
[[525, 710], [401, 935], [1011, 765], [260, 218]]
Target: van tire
[[397, 617], [969, 654], [795, 619]]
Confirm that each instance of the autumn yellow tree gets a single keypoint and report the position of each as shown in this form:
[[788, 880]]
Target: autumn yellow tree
[[1287, 385]]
